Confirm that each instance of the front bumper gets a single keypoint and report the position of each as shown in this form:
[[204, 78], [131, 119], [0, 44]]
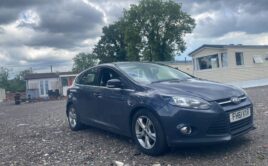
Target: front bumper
[[208, 126]]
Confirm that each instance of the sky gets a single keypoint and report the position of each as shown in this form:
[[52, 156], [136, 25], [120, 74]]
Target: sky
[[40, 33]]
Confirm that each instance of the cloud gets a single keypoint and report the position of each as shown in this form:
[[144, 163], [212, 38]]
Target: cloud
[[50, 30], [216, 18], [36, 33]]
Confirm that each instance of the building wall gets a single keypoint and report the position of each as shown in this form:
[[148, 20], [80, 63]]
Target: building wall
[[53, 84], [187, 68], [233, 73], [2, 95], [66, 82]]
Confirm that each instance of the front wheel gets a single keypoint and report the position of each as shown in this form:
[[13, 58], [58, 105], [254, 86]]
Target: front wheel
[[73, 119], [148, 133]]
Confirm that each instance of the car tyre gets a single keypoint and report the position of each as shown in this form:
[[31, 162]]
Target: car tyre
[[148, 133], [73, 119]]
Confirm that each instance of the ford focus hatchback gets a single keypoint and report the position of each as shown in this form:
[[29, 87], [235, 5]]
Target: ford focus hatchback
[[158, 106]]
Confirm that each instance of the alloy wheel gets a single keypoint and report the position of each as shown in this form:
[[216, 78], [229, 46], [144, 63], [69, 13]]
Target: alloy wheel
[[72, 117], [145, 132]]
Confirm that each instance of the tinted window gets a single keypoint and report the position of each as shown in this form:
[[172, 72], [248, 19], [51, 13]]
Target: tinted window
[[208, 62], [107, 74], [88, 78]]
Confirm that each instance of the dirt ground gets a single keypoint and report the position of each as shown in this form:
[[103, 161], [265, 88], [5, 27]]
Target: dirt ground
[[38, 134]]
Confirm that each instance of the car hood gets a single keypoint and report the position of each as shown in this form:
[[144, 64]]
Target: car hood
[[207, 90]]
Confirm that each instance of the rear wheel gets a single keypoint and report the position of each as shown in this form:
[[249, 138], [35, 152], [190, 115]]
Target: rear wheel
[[148, 133], [73, 119]]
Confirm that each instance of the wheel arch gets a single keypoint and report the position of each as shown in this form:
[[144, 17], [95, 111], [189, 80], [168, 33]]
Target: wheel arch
[[69, 103], [138, 108]]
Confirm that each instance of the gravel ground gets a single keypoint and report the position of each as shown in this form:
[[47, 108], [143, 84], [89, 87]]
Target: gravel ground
[[38, 134]]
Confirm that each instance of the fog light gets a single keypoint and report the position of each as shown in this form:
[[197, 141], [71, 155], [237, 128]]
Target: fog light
[[184, 129]]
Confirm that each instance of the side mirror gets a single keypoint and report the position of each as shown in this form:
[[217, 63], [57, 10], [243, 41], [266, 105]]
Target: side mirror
[[114, 83]]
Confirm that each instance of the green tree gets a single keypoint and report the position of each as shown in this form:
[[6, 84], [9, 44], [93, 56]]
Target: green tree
[[83, 61], [22, 74], [4, 74], [18, 84], [155, 29], [111, 47]]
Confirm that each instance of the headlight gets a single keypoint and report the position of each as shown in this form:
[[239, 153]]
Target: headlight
[[189, 102]]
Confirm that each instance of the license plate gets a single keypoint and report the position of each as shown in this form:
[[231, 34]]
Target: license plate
[[239, 115]]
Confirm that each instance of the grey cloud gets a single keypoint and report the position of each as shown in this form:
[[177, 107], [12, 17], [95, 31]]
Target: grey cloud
[[71, 16], [7, 15], [240, 15], [10, 9], [65, 24]]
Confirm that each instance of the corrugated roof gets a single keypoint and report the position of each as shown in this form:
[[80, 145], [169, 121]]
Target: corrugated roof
[[227, 46], [41, 75]]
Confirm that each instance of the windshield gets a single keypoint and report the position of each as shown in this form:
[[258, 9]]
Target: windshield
[[149, 73]]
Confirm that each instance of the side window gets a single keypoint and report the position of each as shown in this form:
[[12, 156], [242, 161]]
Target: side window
[[208, 62], [224, 60], [89, 77], [107, 74], [239, 58]]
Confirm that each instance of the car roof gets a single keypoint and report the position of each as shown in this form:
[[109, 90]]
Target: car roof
[[132, 62]]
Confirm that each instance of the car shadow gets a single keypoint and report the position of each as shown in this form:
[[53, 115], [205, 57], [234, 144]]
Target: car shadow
[[212, 150], [197, 150], [104, 133]]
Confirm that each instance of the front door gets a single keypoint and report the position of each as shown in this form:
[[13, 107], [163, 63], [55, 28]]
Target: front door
[[113, 102], [43, 89]]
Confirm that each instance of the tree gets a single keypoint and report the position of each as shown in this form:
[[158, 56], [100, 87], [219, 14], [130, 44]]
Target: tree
[[111, 47], [17, 84], [22, 74], [155, 30], [4, 74], [83, 61]]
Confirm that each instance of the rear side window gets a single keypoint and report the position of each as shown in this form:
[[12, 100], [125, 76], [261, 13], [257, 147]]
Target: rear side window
[[88, 78]]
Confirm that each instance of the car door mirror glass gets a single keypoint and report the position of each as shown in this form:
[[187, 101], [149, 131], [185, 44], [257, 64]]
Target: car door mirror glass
[[114, 83]]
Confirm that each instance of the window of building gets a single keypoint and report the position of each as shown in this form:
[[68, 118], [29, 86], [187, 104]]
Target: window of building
[[224, 60], [239, 58], [208, 62], [257, 59], [42, 87], [64, 81], [46, 86], [194, 65]]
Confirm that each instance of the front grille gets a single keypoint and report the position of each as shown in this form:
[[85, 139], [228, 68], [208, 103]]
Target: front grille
[[236, 127], [228, 101], [222, 125]]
